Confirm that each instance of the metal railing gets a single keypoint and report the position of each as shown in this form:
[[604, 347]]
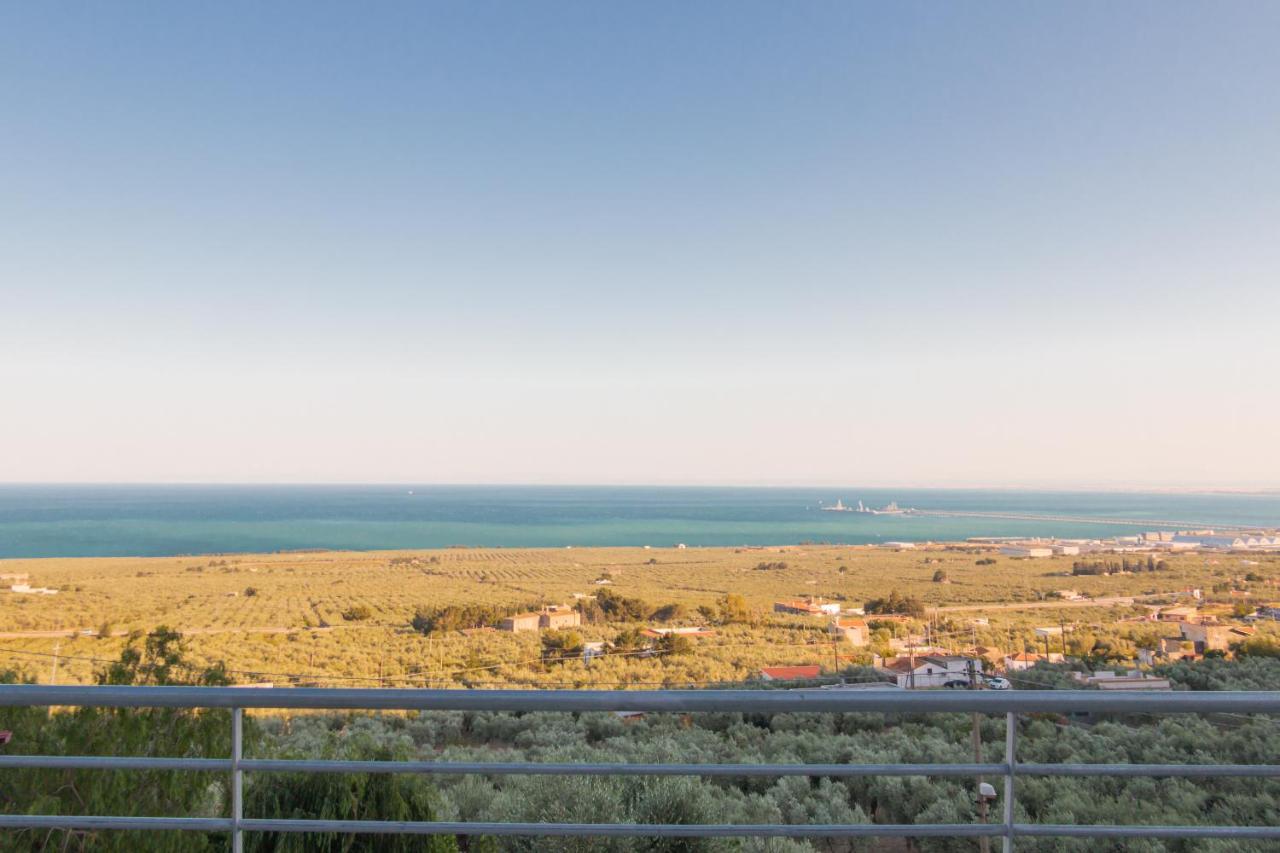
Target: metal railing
[[1007, 703]]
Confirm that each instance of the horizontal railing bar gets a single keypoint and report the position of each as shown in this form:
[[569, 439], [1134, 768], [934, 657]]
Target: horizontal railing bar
[[629, 830], [522, 768], [656, 701], [512, 768], [517, 768], [957, 830], [1049, 830], [1152, 770], [113, 762], [197, 824]]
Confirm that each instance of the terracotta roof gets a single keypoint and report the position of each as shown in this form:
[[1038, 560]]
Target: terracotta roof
[[791, 673], [1027, 657], [897, 665]]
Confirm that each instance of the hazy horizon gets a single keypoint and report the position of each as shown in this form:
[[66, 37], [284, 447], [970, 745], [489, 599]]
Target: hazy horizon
[[729, 243], [1150, 488]]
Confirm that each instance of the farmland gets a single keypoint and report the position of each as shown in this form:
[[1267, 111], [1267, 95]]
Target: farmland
[[335, 618]]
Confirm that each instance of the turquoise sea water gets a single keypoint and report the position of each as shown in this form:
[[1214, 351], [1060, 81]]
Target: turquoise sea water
[[47, 521]]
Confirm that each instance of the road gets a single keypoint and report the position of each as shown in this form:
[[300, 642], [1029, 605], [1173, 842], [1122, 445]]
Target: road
[[1105, 601]]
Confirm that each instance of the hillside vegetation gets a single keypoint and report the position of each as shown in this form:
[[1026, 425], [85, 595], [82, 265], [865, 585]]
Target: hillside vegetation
[[353, 618]]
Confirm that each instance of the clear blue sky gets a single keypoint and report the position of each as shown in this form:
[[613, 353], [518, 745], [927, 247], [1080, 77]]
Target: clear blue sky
[[703, 242]]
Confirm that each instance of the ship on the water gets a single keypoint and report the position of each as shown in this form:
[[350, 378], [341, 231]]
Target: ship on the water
[[891, 508]]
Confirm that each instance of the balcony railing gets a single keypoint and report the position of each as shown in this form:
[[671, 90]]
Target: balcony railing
[[1007, 703]]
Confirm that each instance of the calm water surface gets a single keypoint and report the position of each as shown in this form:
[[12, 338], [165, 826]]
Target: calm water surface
[[48, 521]]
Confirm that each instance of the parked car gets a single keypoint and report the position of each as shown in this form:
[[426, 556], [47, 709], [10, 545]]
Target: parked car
[[998, 683]]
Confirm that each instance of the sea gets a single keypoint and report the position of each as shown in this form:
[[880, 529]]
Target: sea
[[138, 520]]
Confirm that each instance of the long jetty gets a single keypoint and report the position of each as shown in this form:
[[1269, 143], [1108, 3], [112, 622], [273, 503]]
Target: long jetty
[[1077, 519]]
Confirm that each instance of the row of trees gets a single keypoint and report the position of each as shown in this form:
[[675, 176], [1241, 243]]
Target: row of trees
[[457, 617], [160, 659], [896, 604], [1112, 567], [567, 645]]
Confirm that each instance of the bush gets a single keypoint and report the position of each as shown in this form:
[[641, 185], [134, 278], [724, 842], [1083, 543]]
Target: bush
[[896, 604], [160, 660]]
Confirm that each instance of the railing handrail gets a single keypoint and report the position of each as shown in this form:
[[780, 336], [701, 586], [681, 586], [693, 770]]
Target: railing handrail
[[651, 701], [1006, 703]]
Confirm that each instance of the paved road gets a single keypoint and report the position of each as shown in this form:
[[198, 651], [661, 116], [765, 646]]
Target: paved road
[[1106, 601]]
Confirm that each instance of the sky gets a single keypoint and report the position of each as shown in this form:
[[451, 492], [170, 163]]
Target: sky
[[901, 243]]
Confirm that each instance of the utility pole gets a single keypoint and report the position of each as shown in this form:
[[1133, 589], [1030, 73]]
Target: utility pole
[[53, 677], [984, 843]]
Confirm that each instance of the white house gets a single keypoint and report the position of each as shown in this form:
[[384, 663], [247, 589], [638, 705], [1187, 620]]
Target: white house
[[28, 589], [1026, 660], [929, 671]]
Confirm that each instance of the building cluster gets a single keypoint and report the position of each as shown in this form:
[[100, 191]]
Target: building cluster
[[979, 666], [553, 617], [1158, 540], [1197, 634]]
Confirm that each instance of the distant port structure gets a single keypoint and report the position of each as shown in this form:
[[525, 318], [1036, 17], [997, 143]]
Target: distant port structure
[[892, 508]]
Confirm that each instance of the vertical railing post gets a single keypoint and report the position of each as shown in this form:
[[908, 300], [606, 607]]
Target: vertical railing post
[[237, 779], [1011, 760]]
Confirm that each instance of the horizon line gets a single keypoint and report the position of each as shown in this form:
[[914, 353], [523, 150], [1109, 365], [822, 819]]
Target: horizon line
[[1150, 488]]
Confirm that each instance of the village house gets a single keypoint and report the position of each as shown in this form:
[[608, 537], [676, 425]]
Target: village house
[[990, 657], [1177, 614], [1025, 660], [520, 622], [28, 589], [853, 630], [807, 607], [1131, 680], [1170, 649], [928, 671], [1217, 638], [559, 616]]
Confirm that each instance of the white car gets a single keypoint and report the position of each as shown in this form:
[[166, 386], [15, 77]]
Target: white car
[[998, 683]]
